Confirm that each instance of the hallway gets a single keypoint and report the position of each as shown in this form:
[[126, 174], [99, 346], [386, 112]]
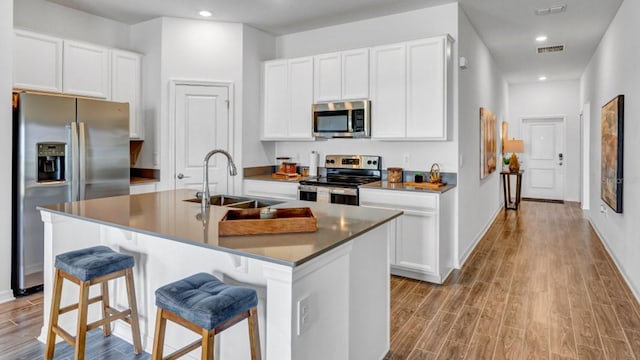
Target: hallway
[[538, 286]]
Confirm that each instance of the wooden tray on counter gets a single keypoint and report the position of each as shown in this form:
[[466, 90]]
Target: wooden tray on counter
[[248, 222], [425, 185], [286, 176]]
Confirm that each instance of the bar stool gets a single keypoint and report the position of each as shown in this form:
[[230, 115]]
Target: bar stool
[[206, 306], [86, 267]]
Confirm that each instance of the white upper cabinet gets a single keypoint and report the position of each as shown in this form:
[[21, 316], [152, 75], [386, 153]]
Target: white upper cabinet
[[341, 76], [37, 62], [388, 86], [410, 90], [355, 74], [86, 70], [287, 99], [125, 87]]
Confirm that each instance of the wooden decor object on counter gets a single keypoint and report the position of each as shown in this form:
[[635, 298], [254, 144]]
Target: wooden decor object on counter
[[425, 185], [394, 175], [286, 176], [249, 222]]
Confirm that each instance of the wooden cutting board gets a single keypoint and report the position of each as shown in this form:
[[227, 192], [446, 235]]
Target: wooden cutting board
[[286, 176], [425, 185]]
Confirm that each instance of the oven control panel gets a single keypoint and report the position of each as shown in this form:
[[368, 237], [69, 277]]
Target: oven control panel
[[367, 162]]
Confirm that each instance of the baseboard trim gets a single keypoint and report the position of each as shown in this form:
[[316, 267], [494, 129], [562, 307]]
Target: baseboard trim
[[6, 295], [553, 201], [479, 237], [616, 262]]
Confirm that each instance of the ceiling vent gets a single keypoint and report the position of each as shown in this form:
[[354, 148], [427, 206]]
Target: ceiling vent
[[551, 10], [549, 49]]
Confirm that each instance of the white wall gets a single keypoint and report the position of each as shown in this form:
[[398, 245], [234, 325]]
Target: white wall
[[257, 46], [550, 99], [6, 82], [378, 31], [197, 50], [613, 70], [53, 19], [481, 85]]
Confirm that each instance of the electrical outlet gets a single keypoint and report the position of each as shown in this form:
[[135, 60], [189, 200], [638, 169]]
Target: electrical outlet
[[306, 313], [406, 158], [156, 158]]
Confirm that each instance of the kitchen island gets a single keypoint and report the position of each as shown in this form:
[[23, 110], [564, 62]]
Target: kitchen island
[[322, 295]]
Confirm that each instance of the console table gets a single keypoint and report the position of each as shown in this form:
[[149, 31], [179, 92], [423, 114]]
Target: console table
[[506, 187]]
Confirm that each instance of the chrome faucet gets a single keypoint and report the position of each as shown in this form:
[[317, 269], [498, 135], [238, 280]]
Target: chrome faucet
[[205, 202]]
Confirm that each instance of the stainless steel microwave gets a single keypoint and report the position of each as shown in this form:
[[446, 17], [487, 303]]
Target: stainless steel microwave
[[349, 119]]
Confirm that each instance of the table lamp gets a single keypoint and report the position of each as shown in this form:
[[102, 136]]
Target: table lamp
[[514, 146]]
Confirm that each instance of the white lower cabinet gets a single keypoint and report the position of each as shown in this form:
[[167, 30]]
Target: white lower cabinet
[[143, 188], [271, 189], [421, 242]]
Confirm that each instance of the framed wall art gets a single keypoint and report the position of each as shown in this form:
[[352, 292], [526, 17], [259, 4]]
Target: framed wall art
[[612, 151], [488, 132]]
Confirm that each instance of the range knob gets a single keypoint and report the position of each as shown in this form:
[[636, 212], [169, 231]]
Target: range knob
[[375, 162], [369, 162]]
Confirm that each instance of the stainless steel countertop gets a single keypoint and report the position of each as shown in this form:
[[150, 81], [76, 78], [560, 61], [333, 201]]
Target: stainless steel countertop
[[165, 215]]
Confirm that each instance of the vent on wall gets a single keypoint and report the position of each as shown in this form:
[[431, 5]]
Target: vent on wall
[[549, 49]]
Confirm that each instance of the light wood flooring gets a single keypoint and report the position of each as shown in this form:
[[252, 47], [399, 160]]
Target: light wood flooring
[[539, 285]]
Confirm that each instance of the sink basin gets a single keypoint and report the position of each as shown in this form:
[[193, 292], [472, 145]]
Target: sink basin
[[239, 202]]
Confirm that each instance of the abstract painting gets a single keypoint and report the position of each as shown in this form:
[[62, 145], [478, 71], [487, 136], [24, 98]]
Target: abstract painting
[[488, 132], [612, 146]]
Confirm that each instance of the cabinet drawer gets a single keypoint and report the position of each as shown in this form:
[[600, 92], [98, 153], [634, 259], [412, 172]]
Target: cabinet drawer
[[397, 199], [271, 189]]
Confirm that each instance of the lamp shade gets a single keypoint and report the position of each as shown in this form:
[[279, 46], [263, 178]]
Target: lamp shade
[[514, 146]]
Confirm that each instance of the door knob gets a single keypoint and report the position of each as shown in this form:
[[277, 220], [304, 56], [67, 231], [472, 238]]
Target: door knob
[[181, 176]]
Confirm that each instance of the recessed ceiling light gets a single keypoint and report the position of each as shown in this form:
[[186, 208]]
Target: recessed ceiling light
[[541, 38], [205, 13], [542, 78]]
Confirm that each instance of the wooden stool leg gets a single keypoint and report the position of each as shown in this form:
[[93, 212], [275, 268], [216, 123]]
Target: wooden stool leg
[[158, 338], [207, 343], [106, 328], [83, 307], [53, 315], [254, 335], [133, 305]]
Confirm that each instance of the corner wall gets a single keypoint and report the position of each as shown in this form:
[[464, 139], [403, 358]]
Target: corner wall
[[481, 85], [613, 70], [6, 121], [552, 98]]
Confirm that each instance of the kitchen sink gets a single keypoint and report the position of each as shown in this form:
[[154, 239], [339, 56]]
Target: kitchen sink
[[239, 202]]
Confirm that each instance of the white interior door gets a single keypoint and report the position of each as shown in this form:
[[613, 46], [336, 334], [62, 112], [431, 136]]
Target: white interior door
[[201, 125], [543, 158]]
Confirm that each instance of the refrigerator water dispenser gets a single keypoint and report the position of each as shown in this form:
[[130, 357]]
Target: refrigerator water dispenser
[[51, 162]]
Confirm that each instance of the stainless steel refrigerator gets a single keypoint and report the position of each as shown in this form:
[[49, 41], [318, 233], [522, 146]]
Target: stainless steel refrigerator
[[64, 149]]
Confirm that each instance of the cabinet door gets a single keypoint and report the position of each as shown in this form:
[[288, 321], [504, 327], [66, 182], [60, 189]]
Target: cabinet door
[[301, 98], [327, 74], [388, 87], [355, 74], [276, 109], [86, 70], [426, 89], [416, 242], [37, 62], [125, 87]]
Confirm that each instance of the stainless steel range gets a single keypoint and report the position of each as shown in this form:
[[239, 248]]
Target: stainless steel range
[[344, 174]]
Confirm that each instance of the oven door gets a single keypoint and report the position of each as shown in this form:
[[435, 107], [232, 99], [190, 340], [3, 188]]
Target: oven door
[[346, 196]]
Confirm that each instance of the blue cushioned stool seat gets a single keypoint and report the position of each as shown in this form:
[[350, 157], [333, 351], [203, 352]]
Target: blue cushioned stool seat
[[89, 263], [205, 300]]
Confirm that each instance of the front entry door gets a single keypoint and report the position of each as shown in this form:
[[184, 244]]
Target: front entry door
[[201, 125], [543, 158]]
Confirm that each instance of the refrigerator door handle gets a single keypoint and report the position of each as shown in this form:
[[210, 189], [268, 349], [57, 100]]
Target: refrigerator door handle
[[74, 161], [82, 159]]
